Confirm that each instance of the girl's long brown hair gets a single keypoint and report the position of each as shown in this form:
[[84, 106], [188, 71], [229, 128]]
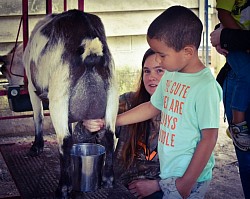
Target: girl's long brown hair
[[136, 131]]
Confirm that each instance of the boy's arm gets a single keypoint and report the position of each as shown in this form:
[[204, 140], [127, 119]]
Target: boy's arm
[[140, 113], [200, 158], [227, 20]]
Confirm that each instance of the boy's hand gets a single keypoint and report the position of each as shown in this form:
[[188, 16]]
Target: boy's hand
[[94, 125], [143, 187], [184, 188], [198, 162]]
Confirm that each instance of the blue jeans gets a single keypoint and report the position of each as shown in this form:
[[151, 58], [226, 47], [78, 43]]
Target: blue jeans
[[242, 156], [240, 64], [168, 186]]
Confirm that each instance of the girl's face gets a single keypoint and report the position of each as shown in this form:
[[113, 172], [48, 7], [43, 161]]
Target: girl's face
[[152, 74]]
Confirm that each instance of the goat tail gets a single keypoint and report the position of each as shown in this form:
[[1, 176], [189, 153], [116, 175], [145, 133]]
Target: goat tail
[[93, 51]]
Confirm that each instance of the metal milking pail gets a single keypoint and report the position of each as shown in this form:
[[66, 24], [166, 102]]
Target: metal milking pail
[[87, 160]]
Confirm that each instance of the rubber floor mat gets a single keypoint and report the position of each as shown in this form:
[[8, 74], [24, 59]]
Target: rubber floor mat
[[37, 177]]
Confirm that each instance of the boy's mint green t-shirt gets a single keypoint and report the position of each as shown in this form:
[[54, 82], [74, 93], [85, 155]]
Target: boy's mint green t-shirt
[[188, 104]]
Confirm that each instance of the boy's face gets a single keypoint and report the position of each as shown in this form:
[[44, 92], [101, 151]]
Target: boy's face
[[168, 57]]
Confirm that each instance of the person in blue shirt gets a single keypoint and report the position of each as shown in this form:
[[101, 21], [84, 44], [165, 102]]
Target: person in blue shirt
[[234, 39]]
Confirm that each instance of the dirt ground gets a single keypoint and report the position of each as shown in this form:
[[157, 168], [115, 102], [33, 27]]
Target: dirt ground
[[226, 180], [225, 184]]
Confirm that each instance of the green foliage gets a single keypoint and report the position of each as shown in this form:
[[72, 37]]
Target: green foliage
[[127, 79]]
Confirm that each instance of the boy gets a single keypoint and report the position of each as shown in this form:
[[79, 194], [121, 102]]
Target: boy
[[235, 14], [188, 98]]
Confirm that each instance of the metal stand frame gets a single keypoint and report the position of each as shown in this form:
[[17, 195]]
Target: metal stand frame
[[25, 15]]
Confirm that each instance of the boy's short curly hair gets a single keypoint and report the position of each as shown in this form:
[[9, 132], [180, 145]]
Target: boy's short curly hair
[[178, 27]]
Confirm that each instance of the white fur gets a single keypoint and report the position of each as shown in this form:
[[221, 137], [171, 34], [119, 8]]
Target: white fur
[[92, 46], [112, 103], [51, 75], [59, 99]]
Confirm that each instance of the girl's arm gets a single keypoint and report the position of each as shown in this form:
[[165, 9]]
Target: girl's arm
[[200, 158], [140, 113]]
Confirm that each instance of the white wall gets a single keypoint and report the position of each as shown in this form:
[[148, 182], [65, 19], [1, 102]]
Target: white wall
[[125, 22]]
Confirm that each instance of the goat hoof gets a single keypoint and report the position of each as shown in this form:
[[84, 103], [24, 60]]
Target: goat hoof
[[63, 192], [108, 182], [35, 151]]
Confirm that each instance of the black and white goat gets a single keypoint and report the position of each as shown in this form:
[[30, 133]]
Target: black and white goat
[[67, 61]]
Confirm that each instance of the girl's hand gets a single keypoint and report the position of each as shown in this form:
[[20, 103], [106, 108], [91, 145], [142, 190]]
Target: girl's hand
[[94, 125], [143, 187]]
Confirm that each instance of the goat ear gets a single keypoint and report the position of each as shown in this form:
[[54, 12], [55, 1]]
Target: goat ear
[[3, 59], [2, 68], [3, 64]]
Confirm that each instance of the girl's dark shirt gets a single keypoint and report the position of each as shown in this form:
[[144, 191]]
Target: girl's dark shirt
[[144, 166]]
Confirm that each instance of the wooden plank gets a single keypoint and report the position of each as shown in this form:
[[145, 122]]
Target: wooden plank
[[138, 5], [128, 23], [116, 24], [6, 47], [118, 17], [14, 7], [9, 30]]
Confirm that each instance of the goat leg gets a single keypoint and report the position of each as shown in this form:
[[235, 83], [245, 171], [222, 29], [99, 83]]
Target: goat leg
[[65, 183], [108, 173]]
